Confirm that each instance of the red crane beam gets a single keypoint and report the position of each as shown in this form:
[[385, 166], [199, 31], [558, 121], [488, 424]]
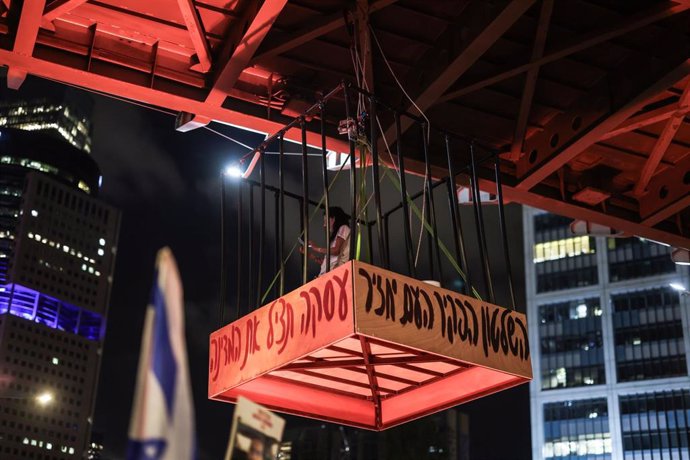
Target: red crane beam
[[646, 119], [531, 80], [58, 8], [196, 35], [25, 38], [665, 138], [656, 14], [467, 57], [533, 172], [112, 85], [244, 50]]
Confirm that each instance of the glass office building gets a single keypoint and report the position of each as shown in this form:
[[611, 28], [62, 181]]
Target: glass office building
[[610, 341], [62, 118]]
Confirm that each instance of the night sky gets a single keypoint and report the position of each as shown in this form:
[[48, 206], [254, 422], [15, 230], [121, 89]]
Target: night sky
[[166, 185]]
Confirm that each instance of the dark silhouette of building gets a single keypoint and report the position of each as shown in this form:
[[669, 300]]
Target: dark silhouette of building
[[67, 117], [441, 436], [57, 251]]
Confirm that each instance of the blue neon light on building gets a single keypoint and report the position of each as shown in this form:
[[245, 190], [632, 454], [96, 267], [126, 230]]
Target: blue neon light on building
[[34, 306]]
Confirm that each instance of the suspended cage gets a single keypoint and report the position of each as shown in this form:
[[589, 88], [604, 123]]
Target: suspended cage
[[368, 343]]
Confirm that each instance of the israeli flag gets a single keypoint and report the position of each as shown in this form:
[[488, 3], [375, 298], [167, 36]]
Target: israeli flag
[[162, 424]]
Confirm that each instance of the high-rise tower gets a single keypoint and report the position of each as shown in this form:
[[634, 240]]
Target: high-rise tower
[[610, 341], [66, 118], [57, 252]]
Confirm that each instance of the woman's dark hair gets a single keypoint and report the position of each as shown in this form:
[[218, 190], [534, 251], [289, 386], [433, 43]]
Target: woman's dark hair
[[341, 219]]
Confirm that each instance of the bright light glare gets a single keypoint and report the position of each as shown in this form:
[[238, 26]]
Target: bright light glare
[[233, 171], [678, 287], [44, 398]]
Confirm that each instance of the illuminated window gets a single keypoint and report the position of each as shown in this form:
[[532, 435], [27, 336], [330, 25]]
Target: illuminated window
[[634, 258], [652, 423], [559, 249], [648, 334], [571, 344], [577, 429]]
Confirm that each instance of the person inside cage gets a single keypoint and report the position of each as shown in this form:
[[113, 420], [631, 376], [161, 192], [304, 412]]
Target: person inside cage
[[340, 240]]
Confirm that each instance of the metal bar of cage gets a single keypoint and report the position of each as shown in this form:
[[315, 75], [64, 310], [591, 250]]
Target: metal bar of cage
[[353, 176], [431, 202], [324, 172], [255, 269], [458, 237], [281, 213], [479, 222], [504, 231], [240, 213], [262, 228], [250, 235], [305, 203], [382, 243], [223, 258], [403, 199]]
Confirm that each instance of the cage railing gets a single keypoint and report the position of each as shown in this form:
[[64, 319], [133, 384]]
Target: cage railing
[[257, 281]]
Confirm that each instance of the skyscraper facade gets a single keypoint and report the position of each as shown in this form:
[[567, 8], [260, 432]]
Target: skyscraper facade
[[66, 118], [610, 340], [57, 252]]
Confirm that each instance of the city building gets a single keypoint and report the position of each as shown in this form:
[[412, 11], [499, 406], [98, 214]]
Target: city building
[[57, 252], [440, 436], [95, 449], [66, 118], [609, 340]]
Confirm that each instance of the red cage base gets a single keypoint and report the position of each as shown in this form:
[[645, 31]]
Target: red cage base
[[366, 347]]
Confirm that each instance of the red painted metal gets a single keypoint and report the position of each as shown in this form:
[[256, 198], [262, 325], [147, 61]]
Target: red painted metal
[[665, 138], [474, 50], [113, 85], [648, 118], [668, 194], [546, 154], [196, 34], [25, 38], [57, 8], [323, 351], [246, 46], [147, 51], [655, 14]]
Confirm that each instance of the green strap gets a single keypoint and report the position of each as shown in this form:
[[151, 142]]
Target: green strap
[[387, 172], [428, 228]]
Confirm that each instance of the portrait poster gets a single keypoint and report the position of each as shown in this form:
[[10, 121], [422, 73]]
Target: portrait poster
[[256, 432]]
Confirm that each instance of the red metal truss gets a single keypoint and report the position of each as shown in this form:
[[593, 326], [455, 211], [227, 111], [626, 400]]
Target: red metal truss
[[601, 81], [57, 8], [487, 37], [255, 27], [646, 18], [112, 85], [25, 38], [648, 118], [196, 34], [545, 152], [665, 138]]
